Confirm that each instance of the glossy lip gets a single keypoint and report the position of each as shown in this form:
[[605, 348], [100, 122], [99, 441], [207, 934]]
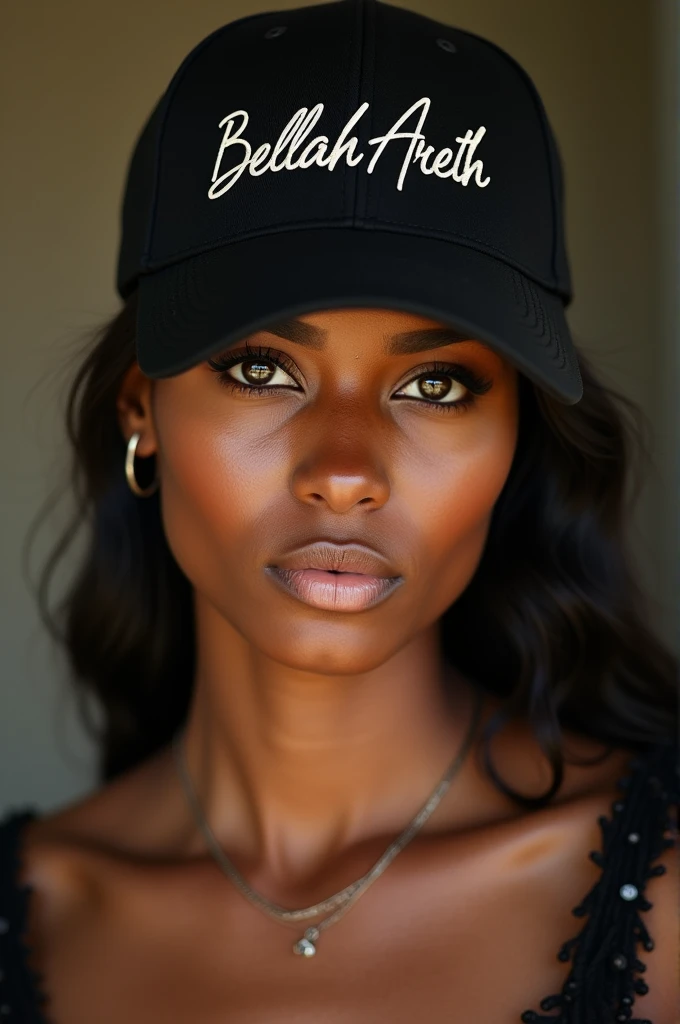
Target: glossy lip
[[336, 577]]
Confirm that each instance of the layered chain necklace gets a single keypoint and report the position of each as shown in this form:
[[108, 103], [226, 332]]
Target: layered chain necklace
[[307, 945]]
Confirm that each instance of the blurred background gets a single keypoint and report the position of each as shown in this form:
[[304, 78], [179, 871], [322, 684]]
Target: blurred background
[[79, 79]]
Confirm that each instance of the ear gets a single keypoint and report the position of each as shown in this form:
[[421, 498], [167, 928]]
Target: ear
[[135, 409]]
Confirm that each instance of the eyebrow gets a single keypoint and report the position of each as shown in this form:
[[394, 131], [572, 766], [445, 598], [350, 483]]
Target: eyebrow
[[404, 343]]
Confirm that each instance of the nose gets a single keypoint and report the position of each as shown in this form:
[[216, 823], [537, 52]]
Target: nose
[[340, 467]]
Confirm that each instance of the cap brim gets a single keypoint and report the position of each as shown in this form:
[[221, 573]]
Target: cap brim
[[189, 310]]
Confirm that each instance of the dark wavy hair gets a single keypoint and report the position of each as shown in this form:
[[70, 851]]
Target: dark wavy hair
[[553, 622]]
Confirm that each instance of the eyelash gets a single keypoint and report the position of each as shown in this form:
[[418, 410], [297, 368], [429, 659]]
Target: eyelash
[[475, 384]]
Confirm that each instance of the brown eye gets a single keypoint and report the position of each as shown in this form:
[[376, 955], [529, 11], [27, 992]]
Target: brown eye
[[437, 388], [257, 372], [434, 387]]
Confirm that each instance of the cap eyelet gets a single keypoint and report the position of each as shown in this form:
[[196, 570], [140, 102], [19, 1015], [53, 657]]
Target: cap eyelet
[[447, 45], [277, 30]]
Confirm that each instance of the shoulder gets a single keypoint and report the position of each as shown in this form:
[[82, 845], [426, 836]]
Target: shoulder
[[628, 943], [72, 855], [60, 857], [621, 817]]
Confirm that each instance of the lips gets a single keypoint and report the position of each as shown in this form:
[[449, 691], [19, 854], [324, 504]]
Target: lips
[[331, 557], [336, 577]]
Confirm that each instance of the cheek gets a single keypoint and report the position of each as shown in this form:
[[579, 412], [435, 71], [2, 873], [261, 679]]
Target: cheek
[[216, 481], [454, 497]]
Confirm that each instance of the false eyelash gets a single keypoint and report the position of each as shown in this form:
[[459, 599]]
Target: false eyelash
[[475, 384], [223, 363]]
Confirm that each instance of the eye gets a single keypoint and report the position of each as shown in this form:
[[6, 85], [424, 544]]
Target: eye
[[446, 387], [257, 372], [440, 387], [254, 371]]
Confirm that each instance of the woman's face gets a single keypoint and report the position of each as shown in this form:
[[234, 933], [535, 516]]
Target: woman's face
[[366, 440]]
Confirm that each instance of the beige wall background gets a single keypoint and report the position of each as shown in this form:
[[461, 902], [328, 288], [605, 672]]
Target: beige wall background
[[79, 77]]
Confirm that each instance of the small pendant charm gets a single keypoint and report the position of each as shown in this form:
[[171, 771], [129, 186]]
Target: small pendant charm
[[305, 946]]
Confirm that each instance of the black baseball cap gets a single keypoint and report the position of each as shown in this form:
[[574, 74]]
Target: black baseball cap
[[349, 154]]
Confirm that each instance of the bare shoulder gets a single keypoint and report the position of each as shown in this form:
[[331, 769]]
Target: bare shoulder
[[520, 869], [553, 846], [91, 820], [65, 853]]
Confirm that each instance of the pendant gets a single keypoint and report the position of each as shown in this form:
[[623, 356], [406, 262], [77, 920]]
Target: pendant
[[305, 946]]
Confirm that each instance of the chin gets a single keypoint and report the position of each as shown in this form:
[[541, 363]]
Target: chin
[[332, 647]]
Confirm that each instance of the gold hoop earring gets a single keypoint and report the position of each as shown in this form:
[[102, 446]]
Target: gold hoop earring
[[143, 492]]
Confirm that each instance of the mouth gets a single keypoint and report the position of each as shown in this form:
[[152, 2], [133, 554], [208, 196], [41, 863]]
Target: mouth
[[341, 578], [337, 591]]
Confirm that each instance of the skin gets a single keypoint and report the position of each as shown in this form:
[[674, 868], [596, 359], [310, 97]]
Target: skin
[[314, 736], [326, 703]]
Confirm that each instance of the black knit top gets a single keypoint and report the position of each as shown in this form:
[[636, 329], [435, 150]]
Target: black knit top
[[606, 966]]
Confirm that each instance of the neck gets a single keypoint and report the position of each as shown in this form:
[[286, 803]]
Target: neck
[[292, 767]]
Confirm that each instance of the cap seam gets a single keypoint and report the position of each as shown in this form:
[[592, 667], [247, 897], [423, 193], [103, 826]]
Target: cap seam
[[366, 91], [349, 108]]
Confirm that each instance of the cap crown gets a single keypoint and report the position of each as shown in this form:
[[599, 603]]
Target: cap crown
[[350, 114]]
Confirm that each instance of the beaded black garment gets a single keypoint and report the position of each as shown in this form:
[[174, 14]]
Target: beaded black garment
[[602, 983]]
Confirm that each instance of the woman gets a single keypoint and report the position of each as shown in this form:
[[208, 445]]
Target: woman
[[372, 664]]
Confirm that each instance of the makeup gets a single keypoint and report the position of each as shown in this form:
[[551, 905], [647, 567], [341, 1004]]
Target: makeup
[[335, 591], [348, 577]]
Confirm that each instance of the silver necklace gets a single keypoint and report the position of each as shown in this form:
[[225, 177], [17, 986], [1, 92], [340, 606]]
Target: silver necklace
[[345, 898]]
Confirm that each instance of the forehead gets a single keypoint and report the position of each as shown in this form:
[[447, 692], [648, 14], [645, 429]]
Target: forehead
[[374, 318], [383, 331]]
